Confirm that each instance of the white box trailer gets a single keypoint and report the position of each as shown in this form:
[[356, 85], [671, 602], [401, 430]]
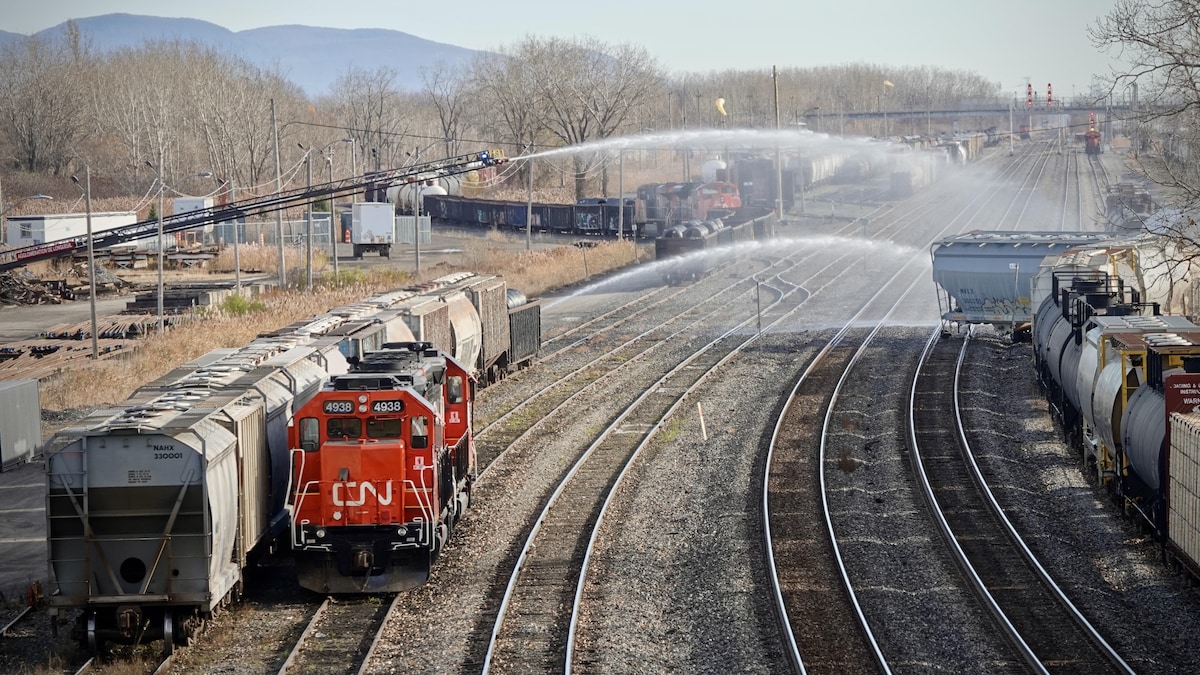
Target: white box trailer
[[33, 230], [20, 422], [373, 228]]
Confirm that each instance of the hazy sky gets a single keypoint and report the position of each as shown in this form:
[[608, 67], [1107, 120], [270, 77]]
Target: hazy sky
[[1006, 42]]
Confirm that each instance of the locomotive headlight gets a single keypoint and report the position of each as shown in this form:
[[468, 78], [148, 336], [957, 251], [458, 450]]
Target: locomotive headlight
[[362, 398], [401, 531], [362, 408], [337, 515], [320, 533]]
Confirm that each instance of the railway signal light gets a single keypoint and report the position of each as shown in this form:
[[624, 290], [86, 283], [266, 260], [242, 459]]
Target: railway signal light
[[1029, 95], [1091, 121], [1049, 96]]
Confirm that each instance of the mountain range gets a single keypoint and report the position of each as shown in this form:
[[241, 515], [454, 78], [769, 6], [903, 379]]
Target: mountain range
[[311, 57]]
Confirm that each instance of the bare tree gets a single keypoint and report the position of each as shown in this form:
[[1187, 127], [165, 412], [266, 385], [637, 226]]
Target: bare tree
[[575, 91], [42, 99], [368, 103], [448, 91], [1160, 42]]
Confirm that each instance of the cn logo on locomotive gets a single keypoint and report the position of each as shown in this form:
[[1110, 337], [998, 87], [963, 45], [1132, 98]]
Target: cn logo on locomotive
[[363, 489]]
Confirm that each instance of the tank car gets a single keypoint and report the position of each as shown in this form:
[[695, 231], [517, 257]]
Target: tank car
[[681, 250], [383, 462], [1119, 376]]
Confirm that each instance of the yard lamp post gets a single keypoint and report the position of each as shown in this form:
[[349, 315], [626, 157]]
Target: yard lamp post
[[353, 161], [158, 175], [308, 259], [621, 195], [91, 253]]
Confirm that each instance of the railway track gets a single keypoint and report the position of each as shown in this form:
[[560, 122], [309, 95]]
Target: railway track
[[540, 597], [826, 629], [1048, 630], [833, 627], [517, 496], [341, 635]]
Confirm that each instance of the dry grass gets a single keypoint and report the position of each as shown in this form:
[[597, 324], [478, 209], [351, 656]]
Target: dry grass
[[237, 323]]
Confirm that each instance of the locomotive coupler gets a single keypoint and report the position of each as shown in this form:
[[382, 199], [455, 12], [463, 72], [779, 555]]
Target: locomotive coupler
[[364, 560]]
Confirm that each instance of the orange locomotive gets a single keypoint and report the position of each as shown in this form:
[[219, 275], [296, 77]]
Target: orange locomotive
[[383, 463]]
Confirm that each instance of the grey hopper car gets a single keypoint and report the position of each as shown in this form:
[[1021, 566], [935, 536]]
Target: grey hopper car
[[150, 522], [984, 277]]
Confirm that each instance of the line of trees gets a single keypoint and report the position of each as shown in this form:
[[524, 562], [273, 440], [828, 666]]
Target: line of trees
[[62, 105]]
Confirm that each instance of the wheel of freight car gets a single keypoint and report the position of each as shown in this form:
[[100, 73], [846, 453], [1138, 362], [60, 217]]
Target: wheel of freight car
[[169, 636]]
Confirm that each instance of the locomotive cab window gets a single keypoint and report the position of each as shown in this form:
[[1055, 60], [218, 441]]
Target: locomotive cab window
[[310, 430], [343, 427], [419, 428], [383, 427], [454, 389]]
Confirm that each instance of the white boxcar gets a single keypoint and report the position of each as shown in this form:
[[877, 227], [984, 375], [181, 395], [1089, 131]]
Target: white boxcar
[[1183, 490]]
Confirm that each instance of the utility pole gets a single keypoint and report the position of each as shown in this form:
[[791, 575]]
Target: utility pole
[[159, 174], [529, 201], [621, 195], [91, 253], [278, 189], [417, 216], [87, 199], [308, 252], [778, 152], [237, 235]]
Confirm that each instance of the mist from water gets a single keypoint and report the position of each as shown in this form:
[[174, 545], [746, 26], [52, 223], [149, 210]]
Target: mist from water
[[824, 247], [733, 139]]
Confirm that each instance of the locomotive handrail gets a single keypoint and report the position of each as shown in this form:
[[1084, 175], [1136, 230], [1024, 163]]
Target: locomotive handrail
[[298, 496], [423, 501]]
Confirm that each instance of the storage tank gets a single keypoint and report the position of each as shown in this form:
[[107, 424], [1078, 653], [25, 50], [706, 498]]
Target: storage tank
[[1068, 370], [714, 170], [1102, 403], [1107, 402]]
